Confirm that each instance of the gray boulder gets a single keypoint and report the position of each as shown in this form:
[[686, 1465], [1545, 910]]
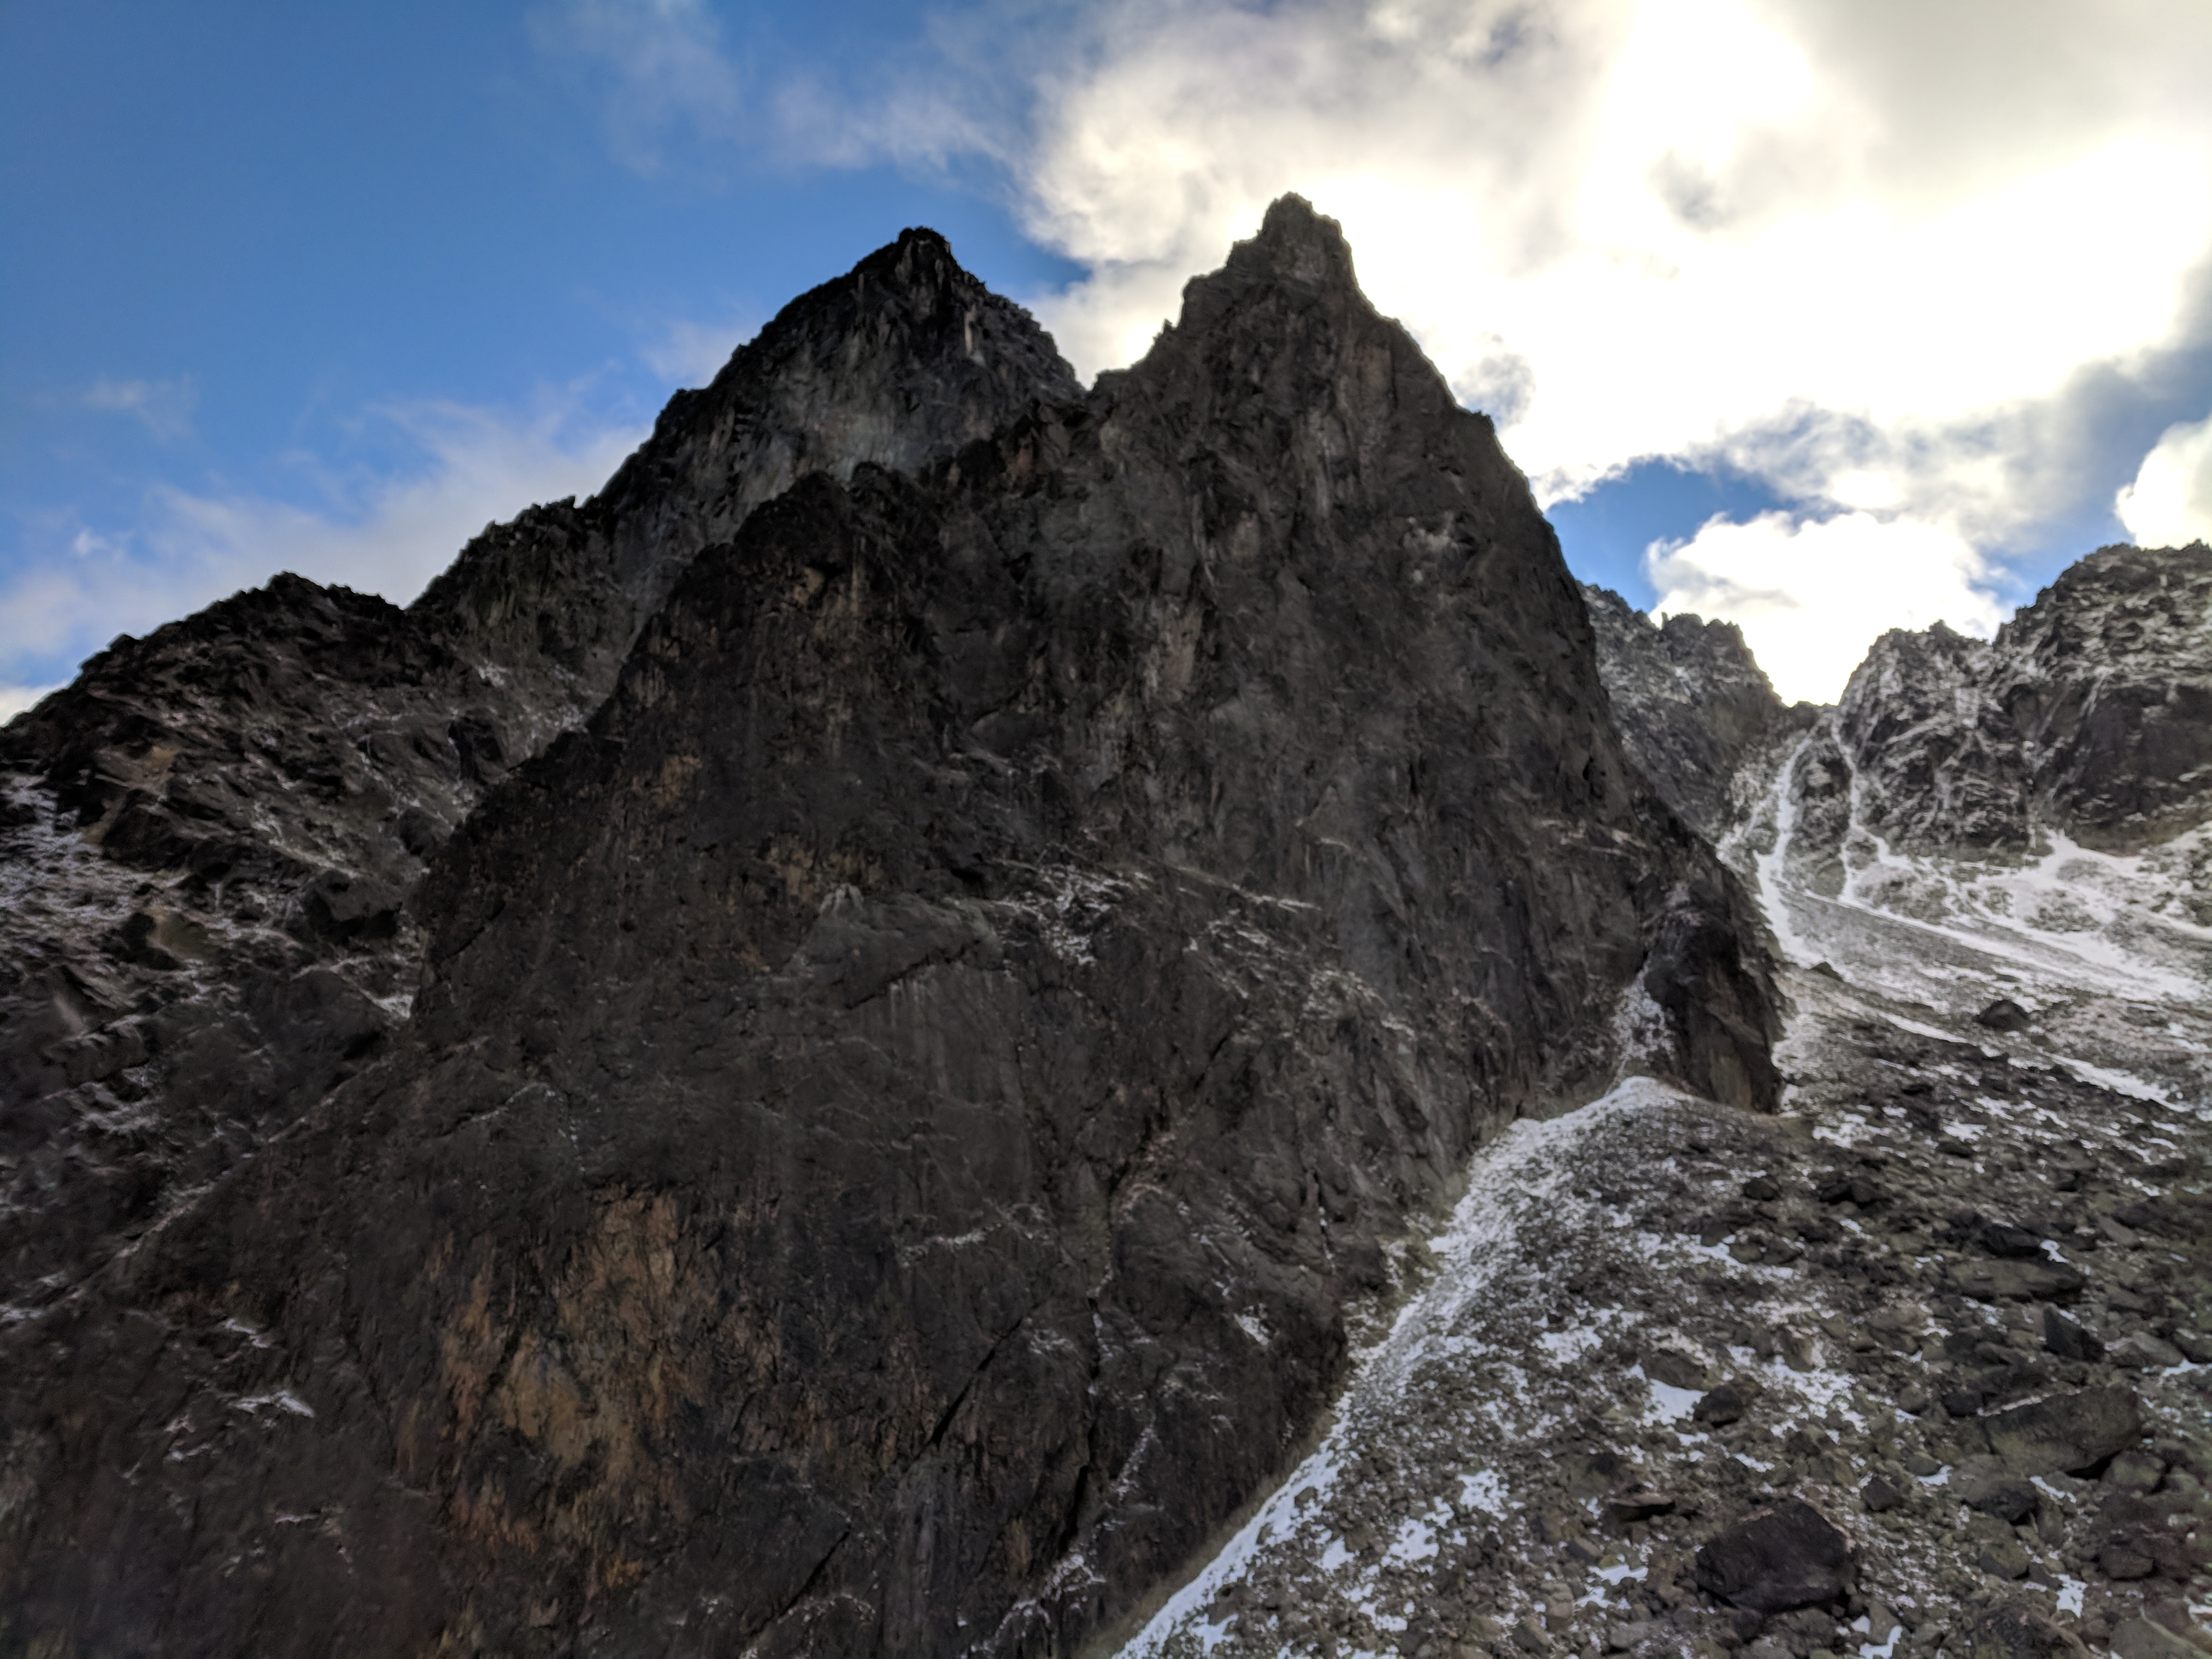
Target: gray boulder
[[1774, 1559]]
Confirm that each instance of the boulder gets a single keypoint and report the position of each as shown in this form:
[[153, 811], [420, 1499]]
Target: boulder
[[1728, 1403], [1881, 1495], [2041, 1280], [1773, 1559], [2009, 1498], [2141, 1352], [2062, 1432], [2143, 1638], [2012, 1630], [1677, 1366], [2069, 1340]]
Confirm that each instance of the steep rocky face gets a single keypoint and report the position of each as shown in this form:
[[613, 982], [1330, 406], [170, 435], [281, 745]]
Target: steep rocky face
[[2122, 753], [911, 1096], [211, 835], [209, 844], [2090, 711], [901, 361], [1692, 702], [1920, 1363]]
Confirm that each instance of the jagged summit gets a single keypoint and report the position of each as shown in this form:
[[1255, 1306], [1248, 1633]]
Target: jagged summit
[[905, 358], [909, 1105], [1297, 244]]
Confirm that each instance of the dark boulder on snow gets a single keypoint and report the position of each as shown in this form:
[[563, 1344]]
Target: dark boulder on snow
[[1774, 1559]]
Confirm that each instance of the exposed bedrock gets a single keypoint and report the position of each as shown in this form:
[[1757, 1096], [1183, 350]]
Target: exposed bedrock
[[906, 1098], [213, 834], [1692, 704], [2090, 713]]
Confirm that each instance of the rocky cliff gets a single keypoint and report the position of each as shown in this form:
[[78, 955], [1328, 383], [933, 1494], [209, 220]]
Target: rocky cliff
[[212, 835], [2090, 713], [1692, 703], [910, 1100]]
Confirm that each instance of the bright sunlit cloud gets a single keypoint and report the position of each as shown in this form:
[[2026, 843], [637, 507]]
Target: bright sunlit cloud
[[1866, 256], [1809, 596], [2170, 502]]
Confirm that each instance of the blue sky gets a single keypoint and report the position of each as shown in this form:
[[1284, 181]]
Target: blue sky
[[327, 287]]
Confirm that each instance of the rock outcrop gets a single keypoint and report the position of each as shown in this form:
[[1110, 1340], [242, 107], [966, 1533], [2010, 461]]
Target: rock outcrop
[[899, 362], [214, 831], [2090, 712], [2087, 714], [908, 1098], [1693, 705]]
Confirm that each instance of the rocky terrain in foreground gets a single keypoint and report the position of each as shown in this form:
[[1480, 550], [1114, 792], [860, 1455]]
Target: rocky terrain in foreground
[[1922, 1364], [1919, 1365]]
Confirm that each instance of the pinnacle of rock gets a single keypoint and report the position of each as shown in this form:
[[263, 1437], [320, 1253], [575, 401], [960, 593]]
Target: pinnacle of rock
[[1297, 245], [852, 1045]]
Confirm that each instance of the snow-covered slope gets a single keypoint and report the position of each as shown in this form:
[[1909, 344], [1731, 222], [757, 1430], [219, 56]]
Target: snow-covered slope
[[1953, 1298]]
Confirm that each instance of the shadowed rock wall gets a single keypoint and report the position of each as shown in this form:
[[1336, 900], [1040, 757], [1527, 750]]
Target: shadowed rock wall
[[213, 833], [907, 1096]]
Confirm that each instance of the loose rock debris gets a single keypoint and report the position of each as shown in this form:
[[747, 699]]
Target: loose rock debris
[[1920, 1366]]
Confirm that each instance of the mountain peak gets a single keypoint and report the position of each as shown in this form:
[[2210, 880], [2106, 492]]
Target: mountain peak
[[1298, 244], [919, 257]]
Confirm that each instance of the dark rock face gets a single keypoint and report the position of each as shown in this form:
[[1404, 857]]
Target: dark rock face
[[218, 827], [2063, 1431], [2089, 711], [2013, 1629], [907, 1095], [901, 361], [1692, 703], [1774, 1559], [216, 830]]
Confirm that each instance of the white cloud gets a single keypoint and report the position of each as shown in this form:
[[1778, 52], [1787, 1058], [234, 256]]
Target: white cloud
[[1655, 227], [2170, 502], [380, 534], [15, 699], [1891, 261], [1811, 596], [688, 353], [165, 407], [667, 63]]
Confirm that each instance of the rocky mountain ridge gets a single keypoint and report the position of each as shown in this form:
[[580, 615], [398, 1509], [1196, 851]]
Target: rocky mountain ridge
[[1692, 704], [2089, 711], [1920, 1365], [909, 1099], [212, 835]]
